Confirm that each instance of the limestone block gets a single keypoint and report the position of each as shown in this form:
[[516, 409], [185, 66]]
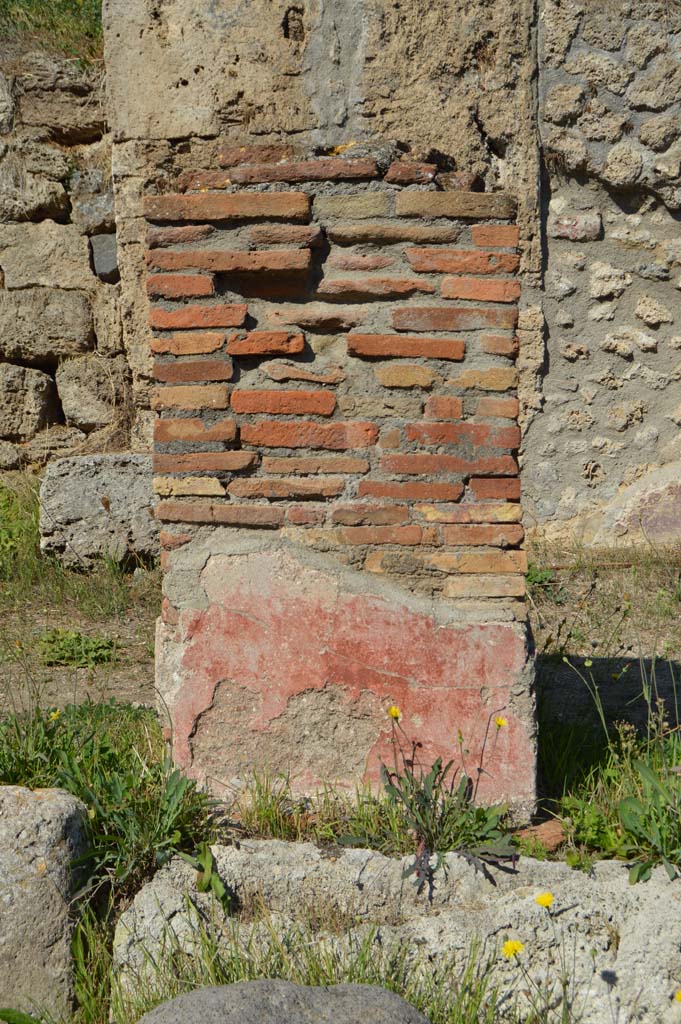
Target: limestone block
[[42, 325], [41, 833], [70, 118], [639, 969], [91, 389], [652, 312], [577, 226], [659, 132], [46, 254], [6, 105], [29, 401], [31, 197], [564, 103], [98, 505], [659, 86]]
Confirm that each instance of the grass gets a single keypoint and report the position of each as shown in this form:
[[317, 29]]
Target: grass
[[69, 27], [453, 991]]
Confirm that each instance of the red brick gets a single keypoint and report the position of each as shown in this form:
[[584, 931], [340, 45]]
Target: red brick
[[173, 540], [503, 465], [478, 434], [358, 261], [226, 261], [387, 234], [193, 429], [493, 535], [409, 172], [499, 345], [212, 512], [228, 315], [306, 170], [286, 370], [505, 235], [306, 515], [476, 561], [369, 515], [317, 315], [490, 487], [300, 235], [268, 153], [199, 462], [401, 346], [229, 206], [336, 436], [472, 512], [410, 491], [462, 261], [296, 403], [200, 369], [372, 287], [485, 290], [443, 407], [285, 488], [157, 237], [438, 318], [169, 613], [455, 204], [390, 438], [210, 396], [266, 343], [504, 408], [203, 181], [189, 343], [314, 464], [406, 535], [466, 586]]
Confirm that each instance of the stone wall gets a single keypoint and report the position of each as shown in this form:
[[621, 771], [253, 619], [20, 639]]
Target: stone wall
[[602, 452], [63, 373], [334, 349]]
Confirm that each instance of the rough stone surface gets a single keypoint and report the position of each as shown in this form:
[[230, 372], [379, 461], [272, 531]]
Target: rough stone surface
[[272, 1001], [92, 390], [45, 255], [40, 326], [98, 505], [319, 709], [29, 401], [41, 833], [622, 941]]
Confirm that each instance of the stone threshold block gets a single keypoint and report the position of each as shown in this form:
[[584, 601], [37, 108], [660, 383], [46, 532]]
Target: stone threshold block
[[270, 655]]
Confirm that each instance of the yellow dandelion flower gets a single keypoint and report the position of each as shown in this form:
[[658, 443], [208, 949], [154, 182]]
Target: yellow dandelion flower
[[677, 996], [55, 715], [511, 948], [544, 899], [394, 712], [500, 722]]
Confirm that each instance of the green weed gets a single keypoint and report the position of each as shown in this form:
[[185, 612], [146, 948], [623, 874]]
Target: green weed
[[141, 810], [71, 27], [69, 647], [453, 991]]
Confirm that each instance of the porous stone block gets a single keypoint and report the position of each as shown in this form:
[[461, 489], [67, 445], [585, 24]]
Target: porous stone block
[[281, 657], [40, 326], [29, 401], [41, 833], [98, 505], [45, 255], [91, 390]]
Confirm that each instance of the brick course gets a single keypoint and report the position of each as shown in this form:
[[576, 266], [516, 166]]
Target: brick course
[[360, 435]]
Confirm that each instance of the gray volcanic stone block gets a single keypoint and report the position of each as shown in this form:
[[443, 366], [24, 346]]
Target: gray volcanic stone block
[[100, 505], [272, 1001], [41, 833], [105, 257]]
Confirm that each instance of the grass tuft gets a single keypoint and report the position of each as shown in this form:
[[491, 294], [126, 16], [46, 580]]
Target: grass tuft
[[70, 27]]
